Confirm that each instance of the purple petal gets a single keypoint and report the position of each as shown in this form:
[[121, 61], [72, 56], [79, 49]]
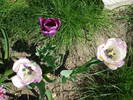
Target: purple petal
[[2, 92], [50, 33], [49, 26], [41, 22]]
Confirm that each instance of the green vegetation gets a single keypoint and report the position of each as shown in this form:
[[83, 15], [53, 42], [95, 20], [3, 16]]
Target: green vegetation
[[79, 18], [109, 85]]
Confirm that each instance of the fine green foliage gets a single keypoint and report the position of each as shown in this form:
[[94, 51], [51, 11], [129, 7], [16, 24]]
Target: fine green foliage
[[18, 18], [109, 85], [79, 18], [130, 17]]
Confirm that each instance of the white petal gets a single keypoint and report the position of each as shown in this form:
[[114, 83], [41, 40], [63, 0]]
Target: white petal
[[110, 43], [122, 48], [114, 65], [16, 80], [38, 79], [36, 68], [19, 62], [111, 66], [100, 52], [26, 78], [20, 72]]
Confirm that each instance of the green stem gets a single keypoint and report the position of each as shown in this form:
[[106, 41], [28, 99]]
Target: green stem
[[85, 67]]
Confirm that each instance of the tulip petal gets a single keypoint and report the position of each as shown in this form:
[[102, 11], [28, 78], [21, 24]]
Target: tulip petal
[[100, 52], [17, 64], [58, 23], [36, 68], [123, 48], [41, 22], [50, 33], [38, 79], [16, 80], [49, 26], [114, 65], [2, 92]]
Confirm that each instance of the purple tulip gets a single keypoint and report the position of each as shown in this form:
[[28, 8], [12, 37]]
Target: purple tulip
[[2, 92], [112, 53], [26, 72], [49, 26]]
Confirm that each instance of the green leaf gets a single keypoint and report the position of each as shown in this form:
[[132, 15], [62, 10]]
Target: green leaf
[[49, 95], [1, 62], [6, 44], [47, 79], [2, 78], [66, 73], [8, 72], [41, 87], [31, 86], [63, 79]]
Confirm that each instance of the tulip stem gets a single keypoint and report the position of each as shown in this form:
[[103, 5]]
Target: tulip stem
[[100, 71]]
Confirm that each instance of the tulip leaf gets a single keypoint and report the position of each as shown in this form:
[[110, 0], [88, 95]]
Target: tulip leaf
[[63, 79], [41, 87], [6, 44], [49, 95], [48, 79], [2, 79], [66, 73], [1, 63], [8, 72]]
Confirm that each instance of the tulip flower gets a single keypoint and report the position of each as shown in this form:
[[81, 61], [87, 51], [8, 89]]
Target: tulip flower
[[112, 53], [49, 26], [2, 92], [26, 72]]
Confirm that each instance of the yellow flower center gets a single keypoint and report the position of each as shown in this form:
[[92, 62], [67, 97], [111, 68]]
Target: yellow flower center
[[110, 53], [27, 70]]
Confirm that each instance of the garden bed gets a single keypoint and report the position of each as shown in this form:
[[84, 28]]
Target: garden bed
[[26, 41]]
